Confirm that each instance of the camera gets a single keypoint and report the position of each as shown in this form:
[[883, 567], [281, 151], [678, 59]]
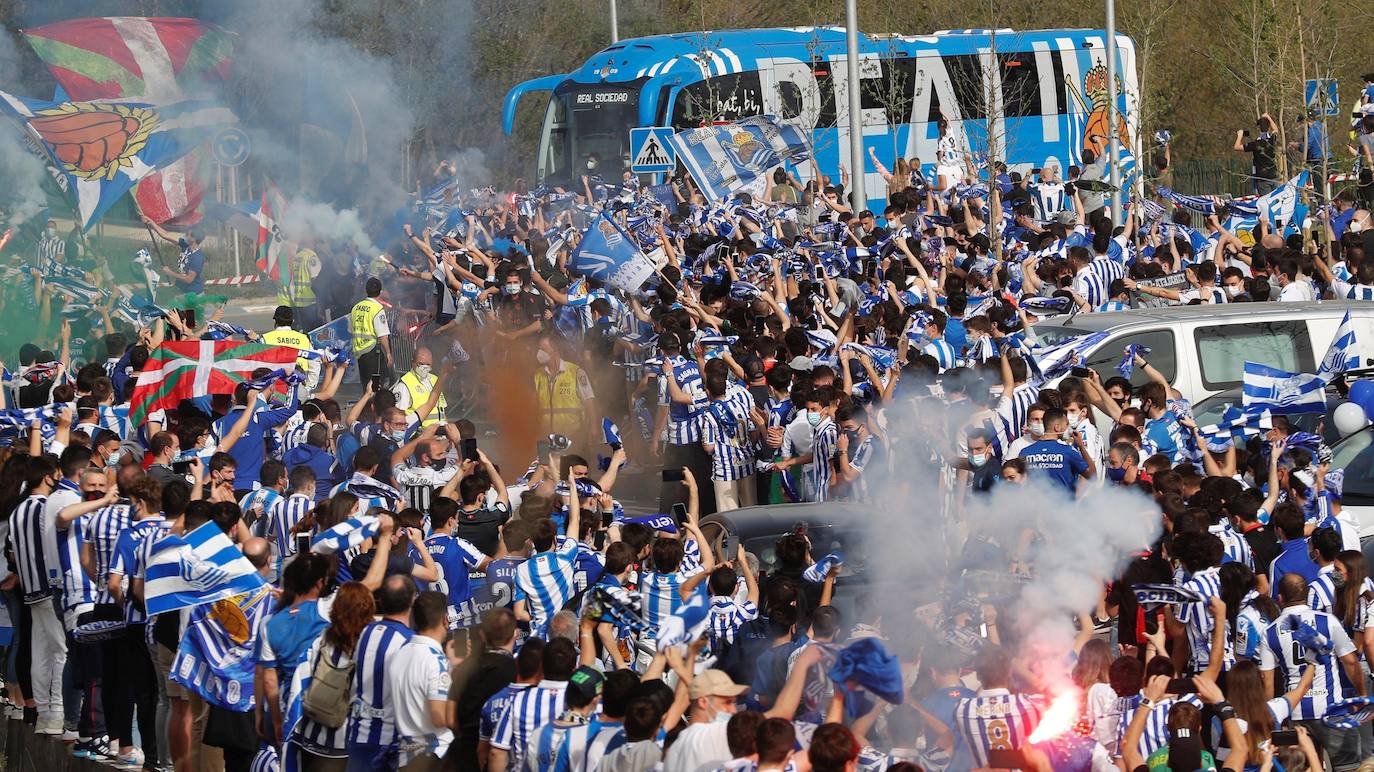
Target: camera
[[558, 442]]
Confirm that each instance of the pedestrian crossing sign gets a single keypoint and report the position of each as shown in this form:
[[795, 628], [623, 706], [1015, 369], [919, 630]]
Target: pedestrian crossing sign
[[650, 149]]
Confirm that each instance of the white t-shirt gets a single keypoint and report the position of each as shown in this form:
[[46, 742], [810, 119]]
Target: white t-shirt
[[1297, 291], [699, 748], [416, 675]]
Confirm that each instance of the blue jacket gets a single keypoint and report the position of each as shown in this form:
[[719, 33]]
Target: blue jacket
[[251, 449], [1292, 560], [327, 473]]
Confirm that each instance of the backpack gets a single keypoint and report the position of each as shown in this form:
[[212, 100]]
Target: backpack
[[329, 696]]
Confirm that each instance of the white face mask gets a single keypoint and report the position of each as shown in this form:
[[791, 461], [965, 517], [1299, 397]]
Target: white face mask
[[1037, 428], [977, 459], [1232, 290], [422, 371], [1073, 417], [542, 356]]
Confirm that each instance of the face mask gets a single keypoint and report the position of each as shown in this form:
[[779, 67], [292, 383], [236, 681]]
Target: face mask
[[93, 496], [1073, 418], [591, 164], [53, 232], [112, 461], [422, 371], [1232, 290], [1037, 428], [397, 435], [510, 289], [977, 459], [1116, 475], [1337, 579], [541, 356], [438, 464], [813, 418]]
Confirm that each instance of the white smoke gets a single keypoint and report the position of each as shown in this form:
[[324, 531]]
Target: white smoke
[[311, 222], [23, 174]]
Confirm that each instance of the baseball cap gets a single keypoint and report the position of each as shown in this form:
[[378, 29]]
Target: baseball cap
[[804, 364], [714, 683], [1064, 217], [586, 682]]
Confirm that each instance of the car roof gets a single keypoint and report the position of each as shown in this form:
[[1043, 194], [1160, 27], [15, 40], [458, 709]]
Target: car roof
[[765, 519], [1225, 312]]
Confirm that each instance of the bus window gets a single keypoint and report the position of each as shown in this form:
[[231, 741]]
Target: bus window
[[895, 91], [966, 78], [554, 139], [721, 98], [1020, 85], [597, 117]]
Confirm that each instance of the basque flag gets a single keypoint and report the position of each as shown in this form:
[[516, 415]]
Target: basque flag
[[183, 369]]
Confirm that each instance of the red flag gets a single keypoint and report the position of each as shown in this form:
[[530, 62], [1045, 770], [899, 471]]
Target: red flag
[[184, 369]]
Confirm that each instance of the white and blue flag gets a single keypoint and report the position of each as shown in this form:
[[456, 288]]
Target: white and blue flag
[[689, 622], [215, 659], [1282, 392], [1235, 427], [608, 254], [346, 535], [1342, 354], [201, 567], [731, 157]]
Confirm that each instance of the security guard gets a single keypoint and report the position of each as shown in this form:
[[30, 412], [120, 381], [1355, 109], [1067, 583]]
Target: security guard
[[297, 291], [284, 335], [371, 337], [414, 388], [563, 391]]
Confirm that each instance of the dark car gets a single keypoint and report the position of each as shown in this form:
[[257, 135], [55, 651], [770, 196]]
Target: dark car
[[840, 527]]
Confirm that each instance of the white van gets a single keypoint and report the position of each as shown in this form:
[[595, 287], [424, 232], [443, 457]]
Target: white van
[[1202, 349]]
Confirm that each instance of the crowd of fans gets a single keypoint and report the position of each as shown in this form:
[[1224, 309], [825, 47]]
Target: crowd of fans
[[424, 608]]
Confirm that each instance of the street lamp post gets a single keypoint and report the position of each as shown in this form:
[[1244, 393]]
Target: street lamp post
[[1114, 149], [856, 135]]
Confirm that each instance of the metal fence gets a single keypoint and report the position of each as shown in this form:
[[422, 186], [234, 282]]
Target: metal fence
[[1219, 176]]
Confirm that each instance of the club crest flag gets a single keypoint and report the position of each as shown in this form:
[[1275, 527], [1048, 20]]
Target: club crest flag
[[731, 157], [98, 150], [608, 254]]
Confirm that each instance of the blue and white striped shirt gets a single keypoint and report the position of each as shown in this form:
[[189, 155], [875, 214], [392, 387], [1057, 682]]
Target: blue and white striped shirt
[[79, 593], [132, 553], [317, 738], [1113, 305], [728, 615], [263, 499], [945, 355], [527, 711], [584, 746], [683, 428], [1094, 279], [372, 721], [548, 741], [1156, 734], [494, 708], [545, 582], [116, 419], [725, 426], [823, 452], [285, 514], [1321, 593], [26, 540], [661, 597], [103, 528], [1049, 198], [995, 718], [1197, 619], [1235, 549], [1278, 651]]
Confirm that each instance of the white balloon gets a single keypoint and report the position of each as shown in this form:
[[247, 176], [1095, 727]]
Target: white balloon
[[1349, 418]]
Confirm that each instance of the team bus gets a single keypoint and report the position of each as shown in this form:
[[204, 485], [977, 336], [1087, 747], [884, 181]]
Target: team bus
[[1046, 90]]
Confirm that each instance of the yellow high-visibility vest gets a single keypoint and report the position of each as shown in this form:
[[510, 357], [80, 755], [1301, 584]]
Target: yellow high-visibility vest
[[420, 393], [362, 324], [298, 293], [297, 340], [559, 403]]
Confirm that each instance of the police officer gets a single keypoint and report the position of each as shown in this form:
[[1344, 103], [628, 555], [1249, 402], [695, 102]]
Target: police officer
[[371, 337], [415, 387]]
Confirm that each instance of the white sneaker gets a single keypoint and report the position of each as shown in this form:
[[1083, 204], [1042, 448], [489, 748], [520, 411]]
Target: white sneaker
[[50, 726], [14, 711], [131, 760], [70, 736]]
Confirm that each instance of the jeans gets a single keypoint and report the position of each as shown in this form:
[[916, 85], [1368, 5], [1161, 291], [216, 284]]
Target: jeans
[[49, 642], [164, 709], [129, 687], [363, 758]]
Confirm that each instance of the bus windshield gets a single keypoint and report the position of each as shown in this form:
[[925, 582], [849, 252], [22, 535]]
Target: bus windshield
[[586, 121]]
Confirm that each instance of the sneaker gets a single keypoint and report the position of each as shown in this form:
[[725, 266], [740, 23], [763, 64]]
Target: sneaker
[[14, 711], [100, 749], [70, 736], [131, 760], [48, 726], [82, 749]]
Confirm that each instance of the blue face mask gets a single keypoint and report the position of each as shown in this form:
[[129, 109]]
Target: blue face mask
[[1117, 474], [397, 436], [813, 418]]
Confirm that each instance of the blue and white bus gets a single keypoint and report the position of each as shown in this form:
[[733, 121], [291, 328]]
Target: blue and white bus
[[1046, 88]]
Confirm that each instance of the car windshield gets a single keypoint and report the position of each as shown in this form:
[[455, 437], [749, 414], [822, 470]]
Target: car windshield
[[1355, 454], [824, 540]]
